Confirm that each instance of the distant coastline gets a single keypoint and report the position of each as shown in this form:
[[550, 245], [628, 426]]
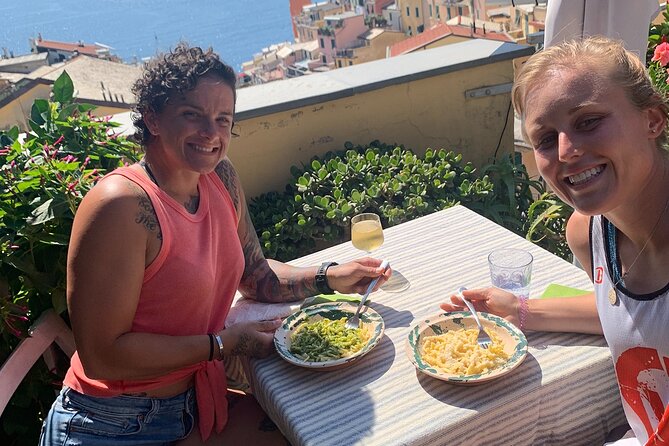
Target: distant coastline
[[136, 29]]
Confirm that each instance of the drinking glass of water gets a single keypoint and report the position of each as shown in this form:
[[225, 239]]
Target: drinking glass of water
[[511, 270], [366, 232]]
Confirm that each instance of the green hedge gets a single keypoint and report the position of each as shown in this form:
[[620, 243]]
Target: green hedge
[[315, 209]]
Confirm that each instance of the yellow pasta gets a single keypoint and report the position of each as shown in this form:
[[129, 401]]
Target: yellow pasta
[[456, 352]]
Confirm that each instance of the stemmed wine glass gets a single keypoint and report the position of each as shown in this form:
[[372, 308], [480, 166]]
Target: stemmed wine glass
[[367, 235], [366, 232]]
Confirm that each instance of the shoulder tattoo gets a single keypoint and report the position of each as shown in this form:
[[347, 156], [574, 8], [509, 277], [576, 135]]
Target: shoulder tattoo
[[146, 215], [228, 176]]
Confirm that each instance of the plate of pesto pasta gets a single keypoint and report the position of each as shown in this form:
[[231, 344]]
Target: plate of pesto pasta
[[316, 337], [444, 347]]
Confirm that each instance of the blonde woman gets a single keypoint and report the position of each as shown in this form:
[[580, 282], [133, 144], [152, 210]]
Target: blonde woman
[[598, 129]]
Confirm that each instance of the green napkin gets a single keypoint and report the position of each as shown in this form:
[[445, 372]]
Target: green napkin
[[322, 298], [554, 290]]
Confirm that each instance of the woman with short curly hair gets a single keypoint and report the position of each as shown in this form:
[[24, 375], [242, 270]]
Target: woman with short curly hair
[[157, 253]]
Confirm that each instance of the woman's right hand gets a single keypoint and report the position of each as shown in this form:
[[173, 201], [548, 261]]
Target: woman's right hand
[[491, 300], [254, 339]]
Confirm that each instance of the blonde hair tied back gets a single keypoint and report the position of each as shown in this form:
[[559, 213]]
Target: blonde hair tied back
[[622, 66]]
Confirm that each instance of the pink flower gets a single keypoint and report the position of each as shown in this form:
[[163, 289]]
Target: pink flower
[[662, 54]]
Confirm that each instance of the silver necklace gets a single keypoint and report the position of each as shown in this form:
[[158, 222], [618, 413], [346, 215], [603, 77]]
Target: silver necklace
[[613, 296]]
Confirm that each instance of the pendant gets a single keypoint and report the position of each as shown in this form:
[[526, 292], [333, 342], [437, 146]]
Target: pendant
[[613, 296]]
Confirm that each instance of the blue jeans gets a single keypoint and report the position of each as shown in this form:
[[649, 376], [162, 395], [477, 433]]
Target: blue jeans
[[77, 419]]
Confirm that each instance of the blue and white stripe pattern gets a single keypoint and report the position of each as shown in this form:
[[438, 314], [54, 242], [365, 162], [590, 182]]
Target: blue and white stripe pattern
[[564, 393]]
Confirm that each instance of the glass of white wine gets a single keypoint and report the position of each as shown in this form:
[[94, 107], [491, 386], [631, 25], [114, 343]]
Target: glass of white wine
[[366, 232]]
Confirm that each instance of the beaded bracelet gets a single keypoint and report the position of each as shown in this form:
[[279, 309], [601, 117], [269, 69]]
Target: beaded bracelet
[[211, 346], [522, 312]]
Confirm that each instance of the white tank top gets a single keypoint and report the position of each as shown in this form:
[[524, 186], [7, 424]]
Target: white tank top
[[636, 327]]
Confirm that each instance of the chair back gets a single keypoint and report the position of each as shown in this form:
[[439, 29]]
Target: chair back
[[47, 330]]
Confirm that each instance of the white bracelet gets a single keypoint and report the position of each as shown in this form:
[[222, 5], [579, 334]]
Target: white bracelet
[[219, 341]]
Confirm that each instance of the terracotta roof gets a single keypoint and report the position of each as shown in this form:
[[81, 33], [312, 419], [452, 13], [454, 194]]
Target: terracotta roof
[[440, 31], [95, 79], [82, 48]]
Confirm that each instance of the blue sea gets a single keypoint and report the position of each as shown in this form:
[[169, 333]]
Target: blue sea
[[136, 29]]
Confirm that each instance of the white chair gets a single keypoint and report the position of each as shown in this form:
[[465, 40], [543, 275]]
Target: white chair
[[46, 330]]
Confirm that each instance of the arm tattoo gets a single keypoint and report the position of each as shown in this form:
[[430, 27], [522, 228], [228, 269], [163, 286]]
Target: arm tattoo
[[260, 281], [146, 216], [228, 176]]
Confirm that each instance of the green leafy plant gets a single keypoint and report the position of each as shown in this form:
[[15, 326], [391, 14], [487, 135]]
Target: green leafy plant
[[657, 57], [44, 174], [546, 224], [315, 209], [514, 193]]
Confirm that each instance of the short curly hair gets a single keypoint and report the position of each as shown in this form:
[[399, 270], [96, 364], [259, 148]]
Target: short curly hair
[[171, 73]]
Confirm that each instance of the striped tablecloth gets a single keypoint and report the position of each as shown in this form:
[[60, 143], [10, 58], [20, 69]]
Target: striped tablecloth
[[564, 393]]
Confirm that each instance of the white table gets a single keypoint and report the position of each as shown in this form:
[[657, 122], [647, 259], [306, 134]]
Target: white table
[[564, 393]]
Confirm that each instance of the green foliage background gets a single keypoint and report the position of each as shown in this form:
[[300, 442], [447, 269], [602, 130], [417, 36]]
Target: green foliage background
[[43, 178]]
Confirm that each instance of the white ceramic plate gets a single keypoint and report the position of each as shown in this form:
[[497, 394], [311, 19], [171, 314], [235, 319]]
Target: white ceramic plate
[[515, 344], [371, 321]]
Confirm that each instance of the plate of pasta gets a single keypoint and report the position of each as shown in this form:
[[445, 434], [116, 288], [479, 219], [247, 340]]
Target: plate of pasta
[[316, 337], [444, 347]]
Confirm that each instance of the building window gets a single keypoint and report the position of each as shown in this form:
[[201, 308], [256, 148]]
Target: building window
[[322, 43], [350, 62], [334, 45], [438, 15], [323, 59], [408, 12], [417, 15], [430, 9], [459, 10], [448, 13], [390, 17], [339, 63]]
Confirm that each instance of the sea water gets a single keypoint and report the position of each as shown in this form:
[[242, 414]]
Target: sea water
[[137, 29]]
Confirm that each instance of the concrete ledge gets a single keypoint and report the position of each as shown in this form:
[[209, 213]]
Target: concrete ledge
[[317, 88]]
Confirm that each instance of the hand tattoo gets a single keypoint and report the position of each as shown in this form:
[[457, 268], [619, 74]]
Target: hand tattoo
[[247, 346]]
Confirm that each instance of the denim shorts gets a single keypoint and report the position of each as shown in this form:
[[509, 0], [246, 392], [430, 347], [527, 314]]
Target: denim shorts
[[77, 419]]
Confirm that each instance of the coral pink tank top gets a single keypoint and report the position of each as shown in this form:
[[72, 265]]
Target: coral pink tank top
[[187, 290]]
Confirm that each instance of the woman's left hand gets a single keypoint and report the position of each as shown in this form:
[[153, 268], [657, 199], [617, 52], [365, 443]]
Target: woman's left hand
[[355, 276]]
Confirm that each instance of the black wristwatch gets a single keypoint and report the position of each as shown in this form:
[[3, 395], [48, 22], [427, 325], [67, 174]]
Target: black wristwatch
[[321, 278]]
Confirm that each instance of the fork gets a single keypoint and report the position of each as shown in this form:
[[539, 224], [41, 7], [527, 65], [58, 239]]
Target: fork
[[482, 339], [354, 322]]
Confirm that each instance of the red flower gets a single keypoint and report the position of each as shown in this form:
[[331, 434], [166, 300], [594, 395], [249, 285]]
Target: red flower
[[661, 53]]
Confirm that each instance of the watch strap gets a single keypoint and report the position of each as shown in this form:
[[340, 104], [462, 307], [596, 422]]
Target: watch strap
[[321, 278]]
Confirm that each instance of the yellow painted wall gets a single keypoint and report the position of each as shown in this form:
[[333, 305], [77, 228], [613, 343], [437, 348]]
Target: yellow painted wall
[[17, 111], [430, 112], [411, 21], [375, 51]]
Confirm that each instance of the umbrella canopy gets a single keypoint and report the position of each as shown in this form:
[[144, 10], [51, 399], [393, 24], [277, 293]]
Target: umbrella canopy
[[618, 19]]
